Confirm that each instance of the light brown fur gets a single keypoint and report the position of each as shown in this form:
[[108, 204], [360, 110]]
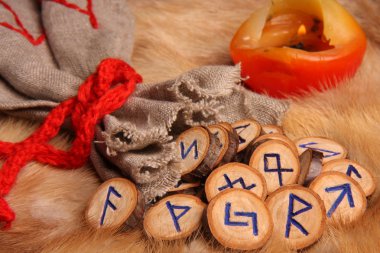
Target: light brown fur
[[173, 36]]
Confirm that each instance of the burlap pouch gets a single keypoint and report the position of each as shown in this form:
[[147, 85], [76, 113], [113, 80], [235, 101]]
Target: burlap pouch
[[48, 48]]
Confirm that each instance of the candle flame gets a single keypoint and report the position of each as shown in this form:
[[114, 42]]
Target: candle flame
[[301, 30]]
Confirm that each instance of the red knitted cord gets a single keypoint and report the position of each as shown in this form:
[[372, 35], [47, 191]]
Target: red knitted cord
[[95, 99]]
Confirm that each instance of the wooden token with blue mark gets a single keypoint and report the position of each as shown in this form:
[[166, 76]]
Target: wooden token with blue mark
[[354, 170], [112, 204], [222, 134], [271, 129], [248, 130], [238, 219], [298, 214], [235, 175], [344, 199], [278, 164], [330, 149], [192, 146], [174, 217]]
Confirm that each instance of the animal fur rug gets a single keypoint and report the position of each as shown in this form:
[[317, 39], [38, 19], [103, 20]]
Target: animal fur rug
[[173, 36]]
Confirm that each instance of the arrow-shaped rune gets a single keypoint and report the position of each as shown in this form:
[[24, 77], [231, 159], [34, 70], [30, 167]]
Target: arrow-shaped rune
[[228, 222], [326, 153], [345, 190], [351, 169]]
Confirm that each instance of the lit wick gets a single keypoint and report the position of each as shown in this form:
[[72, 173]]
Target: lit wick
[[301, 30]]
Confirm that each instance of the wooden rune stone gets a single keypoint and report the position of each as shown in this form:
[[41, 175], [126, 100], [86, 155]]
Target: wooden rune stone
[[235, 175], [344, 199], [248, 130], [229, 142], [354, 170], [278, 164], [271, 129], [174, 217], [305, 163], [238, 219], [198, 151], [311, 166], [112, 204], [331, 150], [298, 215]]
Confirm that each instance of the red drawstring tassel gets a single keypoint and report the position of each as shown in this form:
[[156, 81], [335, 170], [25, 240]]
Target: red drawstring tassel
[[102, 93]]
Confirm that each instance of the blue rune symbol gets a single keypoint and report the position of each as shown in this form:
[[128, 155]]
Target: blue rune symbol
[[175, 217], [228, 222], [184, 153], [231, 184], [326, 153], [345, 190], [351, 169], [278, 170], [291, 214], [241, 140], [108, 203]]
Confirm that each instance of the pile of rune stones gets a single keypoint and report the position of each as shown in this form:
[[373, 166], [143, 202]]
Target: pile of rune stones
[[244, 183]]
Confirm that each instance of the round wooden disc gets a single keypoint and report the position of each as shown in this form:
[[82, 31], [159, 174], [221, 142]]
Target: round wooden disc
[[278, 137], [305, 163], [331, 149], [294, 204], [357, 172], [235, 175], [278, 164], [174, 217], [184, 186], [193, 145], [238, 219], [343, 197], [271, 129], [222, 134], [112, 204], [227, 126], [248, 130]]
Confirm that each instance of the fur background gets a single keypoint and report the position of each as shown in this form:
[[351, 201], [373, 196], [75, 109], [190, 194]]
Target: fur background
[[173, 36]]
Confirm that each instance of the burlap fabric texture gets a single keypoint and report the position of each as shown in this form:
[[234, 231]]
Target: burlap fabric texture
[[48, 48]]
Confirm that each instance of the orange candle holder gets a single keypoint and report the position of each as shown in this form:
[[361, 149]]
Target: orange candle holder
[[291, 47]]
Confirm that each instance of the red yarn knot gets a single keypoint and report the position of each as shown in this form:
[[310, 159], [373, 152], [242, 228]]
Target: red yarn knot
[[102, 93]]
